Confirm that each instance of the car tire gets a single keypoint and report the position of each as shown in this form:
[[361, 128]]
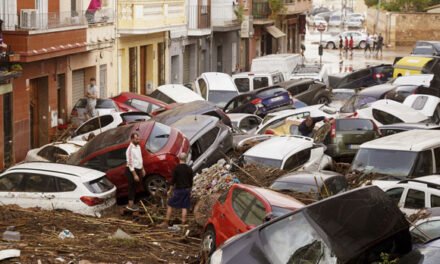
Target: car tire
[[330, 45], [154, 183], [323, 100], [208, 241], [362, 45]]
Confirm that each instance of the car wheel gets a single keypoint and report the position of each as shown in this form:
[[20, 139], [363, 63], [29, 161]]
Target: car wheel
[[362, 44], [323, 100], [208, 241], [330, 45], [155, 183]]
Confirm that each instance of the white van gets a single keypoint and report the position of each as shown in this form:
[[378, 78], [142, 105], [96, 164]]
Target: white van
[[284, 63], [411, 154], [249, 81], [216, 87]]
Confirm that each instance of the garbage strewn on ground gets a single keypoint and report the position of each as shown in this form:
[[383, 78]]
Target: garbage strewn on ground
[[104, 240]]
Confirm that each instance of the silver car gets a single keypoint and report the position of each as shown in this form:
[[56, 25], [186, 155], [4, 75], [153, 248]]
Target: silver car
[[359, 38]]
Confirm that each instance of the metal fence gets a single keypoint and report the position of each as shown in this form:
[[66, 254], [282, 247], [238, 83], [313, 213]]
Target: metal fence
[[260, 9]]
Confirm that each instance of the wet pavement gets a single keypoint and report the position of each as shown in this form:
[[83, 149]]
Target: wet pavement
[[345, 62]]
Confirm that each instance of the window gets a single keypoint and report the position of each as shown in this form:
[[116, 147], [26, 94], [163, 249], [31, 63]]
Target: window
[[278, 78], [337, 185], [250, 210], [358, 75], [242, 84], [107, 160], [435, 201], [395, 194], [437, 160], [249, 123], [415, 199], [223, 197], [140, 105], [241, 200], [94, 124], [105, 104], [255, 216], [260, 82], [131, 117], [354, 125], [52, 153], [297, 159], [11, 182], [99, 185], [385, 118], [419, 103], [208, 139], [161, 97], [424, 164], [38, 183], [65, 185], [203, 88], [158, 138]]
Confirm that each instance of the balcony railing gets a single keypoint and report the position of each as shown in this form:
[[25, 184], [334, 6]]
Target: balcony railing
[[199, 16], [32, 19], [223, 15], [260, 10]]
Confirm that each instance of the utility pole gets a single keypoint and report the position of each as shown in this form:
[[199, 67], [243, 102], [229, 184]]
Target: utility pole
[[377, 16]]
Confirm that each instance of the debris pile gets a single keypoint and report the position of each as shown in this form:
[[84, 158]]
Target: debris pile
[[93, 240]]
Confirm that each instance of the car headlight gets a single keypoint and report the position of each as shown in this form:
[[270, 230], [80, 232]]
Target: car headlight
[[216, 257]]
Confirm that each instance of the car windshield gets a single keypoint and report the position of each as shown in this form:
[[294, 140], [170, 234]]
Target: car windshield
[[430, 229], [105, 104], [158, 138], [354, 125], [274, 163], [279, 211], [294, 187], [390, 162], [294, 240], [221, 98], [357, 102]]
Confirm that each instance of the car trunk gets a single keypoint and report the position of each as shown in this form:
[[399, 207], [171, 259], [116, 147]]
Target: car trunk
[[276, 100], [351, 133]]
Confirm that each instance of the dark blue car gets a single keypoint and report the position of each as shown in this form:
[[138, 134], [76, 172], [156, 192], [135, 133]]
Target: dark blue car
[[260, 102], [366, 77]]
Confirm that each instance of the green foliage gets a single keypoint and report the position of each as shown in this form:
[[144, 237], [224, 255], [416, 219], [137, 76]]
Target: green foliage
[[385, 257], [277, 7], [239, 12], [371, 3], [16, 67], [405, 5]]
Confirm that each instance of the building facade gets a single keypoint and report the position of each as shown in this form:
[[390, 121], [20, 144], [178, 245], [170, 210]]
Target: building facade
[[59, 51]]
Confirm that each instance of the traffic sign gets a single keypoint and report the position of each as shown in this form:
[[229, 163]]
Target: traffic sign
[[321, 27]]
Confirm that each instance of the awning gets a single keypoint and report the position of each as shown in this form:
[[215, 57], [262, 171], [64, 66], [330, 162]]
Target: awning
[[275, 32]]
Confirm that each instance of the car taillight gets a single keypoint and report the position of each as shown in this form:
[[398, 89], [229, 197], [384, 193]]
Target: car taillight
[[256, 101], [415, 91], [333, 130], [378, 76], [91, 201], [269, 132], [354, 115], [74, 112]]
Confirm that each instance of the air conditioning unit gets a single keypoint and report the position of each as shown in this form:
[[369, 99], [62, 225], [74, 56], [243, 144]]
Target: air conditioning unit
[[28, 18]]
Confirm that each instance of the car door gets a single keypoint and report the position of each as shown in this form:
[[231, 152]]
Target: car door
[[65, 196], [37, 191], [414, 201], [397, 194], [96, 126], [10, 186], [209, 154]]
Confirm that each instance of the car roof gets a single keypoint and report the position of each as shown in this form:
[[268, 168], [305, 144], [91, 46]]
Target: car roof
[[275, 198], [255, 73], [219, 81], [69, 146], [179, 93], [279, 147], [235, 117], [404, 112], [413, 140], [130, 95], [84, 174], [277, 56], [377, 90], [193, 126], [411, 126], [196, 107], [308, 177]]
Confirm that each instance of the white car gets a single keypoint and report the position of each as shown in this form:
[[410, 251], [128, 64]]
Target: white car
[[246, 123], [354, 22], [416, 79], [413, 195], [274, 119], [216, 87], [79, 111], [318, 20], [332, 42], [386, 112], [289, 153], [52, 186], [311, 71], [175, 93], [335, 21], [357, 15], [99, 124], [428, 105], [54, 152]]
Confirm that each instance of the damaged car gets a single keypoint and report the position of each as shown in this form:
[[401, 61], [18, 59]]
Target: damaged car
[[54, 152]]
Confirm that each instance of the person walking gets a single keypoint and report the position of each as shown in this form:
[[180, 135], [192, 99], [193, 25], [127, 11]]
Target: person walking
[[341, 45], [181, 186], [135, 169], [92, 96], [306, 127], [351, 45], [94, 6], [367, 44], [374, 39], [379, 45], [346, 45]]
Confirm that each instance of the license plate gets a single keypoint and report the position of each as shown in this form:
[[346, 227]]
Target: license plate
[[277, 99], [353, 146]]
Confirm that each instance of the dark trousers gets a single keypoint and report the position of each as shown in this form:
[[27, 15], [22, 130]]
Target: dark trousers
[[132, 183]]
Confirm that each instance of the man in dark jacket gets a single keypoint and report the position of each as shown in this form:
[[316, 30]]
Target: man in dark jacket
[[306, 127], [181, 189]]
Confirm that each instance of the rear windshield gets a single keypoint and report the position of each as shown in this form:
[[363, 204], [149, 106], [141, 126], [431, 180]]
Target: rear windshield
[[354, 125], [274, 163], [105, 104], [271, 92], [279, 211], [100, 185], [220, 98], [162, 97], [295, 187], [158, 138], [52, 153], [135, 118]]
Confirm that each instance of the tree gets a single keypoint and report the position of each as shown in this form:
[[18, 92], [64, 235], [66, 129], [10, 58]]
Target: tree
[[371, 3]]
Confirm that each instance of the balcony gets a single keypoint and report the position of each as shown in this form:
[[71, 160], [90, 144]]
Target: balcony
[[143, 17], [199, 20], [260, 9], [297, 6], [8, 66], [223, 15]]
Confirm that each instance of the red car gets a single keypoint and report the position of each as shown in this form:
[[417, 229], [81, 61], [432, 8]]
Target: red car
[[242, 208], [127, 101], [160, 145]]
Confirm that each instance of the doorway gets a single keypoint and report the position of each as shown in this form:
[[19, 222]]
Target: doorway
[[220, 58], [102, 80], [61, 97], [132, 69], [7, 133], [144, 66], [39, 105]]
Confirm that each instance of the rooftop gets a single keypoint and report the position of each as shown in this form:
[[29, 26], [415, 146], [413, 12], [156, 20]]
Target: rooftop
[[414, 140]]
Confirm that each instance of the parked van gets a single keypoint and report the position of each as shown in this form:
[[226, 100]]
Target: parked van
[[409, 154], [249, 81], [414, 65], [284, 63], [216, 87]]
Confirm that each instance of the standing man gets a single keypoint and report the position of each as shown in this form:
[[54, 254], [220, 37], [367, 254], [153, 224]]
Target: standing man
[[92, 96], [181, 188], [306, 127], [341, 45], [379, 44], [351, 45], [135, 169], [346, 45], [367, 44], [374, 41], [94, 6]]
